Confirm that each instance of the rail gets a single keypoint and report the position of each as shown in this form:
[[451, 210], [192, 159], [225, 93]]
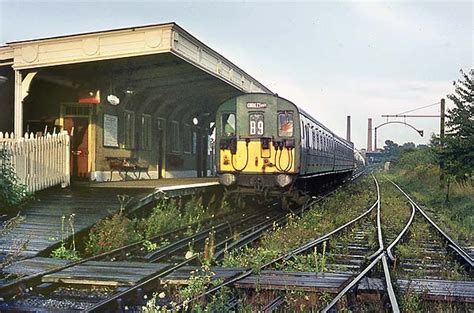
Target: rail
[[451, 243], [377, 256], [288, 255]]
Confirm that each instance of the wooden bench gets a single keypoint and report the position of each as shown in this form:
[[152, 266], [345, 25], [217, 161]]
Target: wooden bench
[[126, 165]]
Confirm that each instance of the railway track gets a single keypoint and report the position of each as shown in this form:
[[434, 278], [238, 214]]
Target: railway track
[[382, 271], [241, 275], [32, 286], [229, 236]]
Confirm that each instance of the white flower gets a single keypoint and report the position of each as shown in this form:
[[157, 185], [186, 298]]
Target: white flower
[[188, 255], [161, 295]]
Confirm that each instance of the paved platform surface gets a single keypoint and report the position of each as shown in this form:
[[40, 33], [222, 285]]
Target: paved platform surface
[[154, 183], [41, 227], [89, 202]]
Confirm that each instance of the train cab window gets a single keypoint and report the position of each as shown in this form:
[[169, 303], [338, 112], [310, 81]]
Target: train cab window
[[285, 124], [228, 124], [256, 124]]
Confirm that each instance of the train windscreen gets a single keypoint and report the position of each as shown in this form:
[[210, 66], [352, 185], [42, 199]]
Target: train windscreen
[[285, 124]]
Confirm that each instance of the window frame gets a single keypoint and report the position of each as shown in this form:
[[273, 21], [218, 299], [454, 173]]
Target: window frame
[[174, 145], [129, 129], [278, 123], [222, 130], [145, 131], [187, 139]]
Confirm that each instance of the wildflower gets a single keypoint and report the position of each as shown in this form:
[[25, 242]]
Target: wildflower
[[161, 295], [188, 255]]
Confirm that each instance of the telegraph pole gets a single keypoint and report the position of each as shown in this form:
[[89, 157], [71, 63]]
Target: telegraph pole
[[441, 144]]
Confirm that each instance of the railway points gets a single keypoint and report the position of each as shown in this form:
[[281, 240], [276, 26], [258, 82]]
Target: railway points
[[356, 248]]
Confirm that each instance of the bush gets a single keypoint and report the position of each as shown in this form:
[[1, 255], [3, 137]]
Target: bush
[[111, 233], [12, 191], [165, 216]]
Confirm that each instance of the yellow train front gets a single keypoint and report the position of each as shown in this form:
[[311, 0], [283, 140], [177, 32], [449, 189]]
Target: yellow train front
[[266, 144]]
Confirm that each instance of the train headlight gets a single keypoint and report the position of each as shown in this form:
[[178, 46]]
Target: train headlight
[[227, 179], [283, 180]]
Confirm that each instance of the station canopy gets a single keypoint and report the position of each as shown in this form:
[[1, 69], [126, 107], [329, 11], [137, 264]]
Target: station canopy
[[157, 69]]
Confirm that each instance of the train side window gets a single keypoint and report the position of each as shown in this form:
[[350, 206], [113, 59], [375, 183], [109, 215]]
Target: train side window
[[307, 136], [256, 124], [302, 129], [317, 142], [285, 124], [228, 124]]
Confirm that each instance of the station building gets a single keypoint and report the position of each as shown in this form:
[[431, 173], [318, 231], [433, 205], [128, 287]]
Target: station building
[[147, 93]]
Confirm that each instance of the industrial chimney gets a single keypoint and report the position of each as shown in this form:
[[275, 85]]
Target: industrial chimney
[[369, 136], [348, 133]]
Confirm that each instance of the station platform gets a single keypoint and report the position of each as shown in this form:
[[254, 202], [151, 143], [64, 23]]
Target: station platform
[[89, 202]]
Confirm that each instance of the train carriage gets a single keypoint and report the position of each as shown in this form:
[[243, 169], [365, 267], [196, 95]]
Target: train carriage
[[268, 146]]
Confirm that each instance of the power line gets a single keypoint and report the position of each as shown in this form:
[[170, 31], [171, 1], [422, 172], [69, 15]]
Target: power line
[[426, 106]]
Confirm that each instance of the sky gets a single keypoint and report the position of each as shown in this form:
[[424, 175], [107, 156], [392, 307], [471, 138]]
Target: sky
[[332, 58]]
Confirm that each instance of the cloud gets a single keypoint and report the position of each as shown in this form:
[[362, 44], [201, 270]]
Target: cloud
[[390, 15]]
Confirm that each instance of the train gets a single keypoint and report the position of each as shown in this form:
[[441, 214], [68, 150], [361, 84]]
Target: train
[[268, 146]]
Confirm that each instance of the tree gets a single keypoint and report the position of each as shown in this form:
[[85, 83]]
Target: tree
[[391, 149], [458, 146]]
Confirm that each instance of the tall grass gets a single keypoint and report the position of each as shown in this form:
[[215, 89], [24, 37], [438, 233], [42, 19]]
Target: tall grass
[[418, 173]]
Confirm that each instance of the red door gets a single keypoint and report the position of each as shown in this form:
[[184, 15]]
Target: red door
[[77, 127]]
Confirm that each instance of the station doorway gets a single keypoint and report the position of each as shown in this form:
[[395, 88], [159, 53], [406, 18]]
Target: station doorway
[[76, 121]]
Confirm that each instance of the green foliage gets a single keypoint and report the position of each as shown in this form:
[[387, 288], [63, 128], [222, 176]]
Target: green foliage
[[199, 281], [458, 146], [410, 159], [111, 233], [64, 252], [411, 302], [336, 210], [150, 246], [165, 216], [312, 262], [12, 192], [422, 181]]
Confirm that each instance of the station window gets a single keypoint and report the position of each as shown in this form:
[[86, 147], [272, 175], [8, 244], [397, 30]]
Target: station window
[[256, 124], [129, 129], [228, 124], [174, 142], [285, 124], [146, 132], [187, 139]]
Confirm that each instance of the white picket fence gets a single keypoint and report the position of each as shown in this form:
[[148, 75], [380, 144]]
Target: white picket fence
[[39, 162]]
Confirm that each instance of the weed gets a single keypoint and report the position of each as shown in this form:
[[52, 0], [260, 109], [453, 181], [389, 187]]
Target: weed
[[111, 233], [64, 252], [199, 281], [150, 246]]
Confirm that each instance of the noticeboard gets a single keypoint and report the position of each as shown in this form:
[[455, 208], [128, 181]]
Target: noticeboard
[[110, 131]]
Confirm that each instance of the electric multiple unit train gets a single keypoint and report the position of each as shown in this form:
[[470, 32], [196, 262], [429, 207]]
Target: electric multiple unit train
[[266, 145]]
